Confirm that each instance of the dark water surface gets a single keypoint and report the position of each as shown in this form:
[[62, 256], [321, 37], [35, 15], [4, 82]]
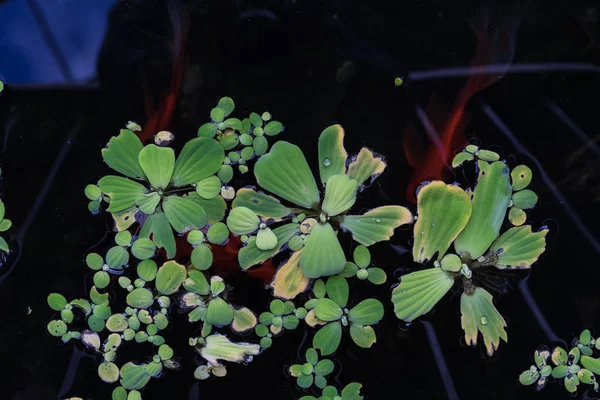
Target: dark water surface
[[311, 64]]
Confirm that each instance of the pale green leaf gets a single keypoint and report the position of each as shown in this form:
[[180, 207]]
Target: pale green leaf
[[262, 204], [251, 255], [157, 163], [184, 214], [340, 194], [323, 254], [157, 225], [363, 336], [518, 248], [366, 165], [199, 159], [376, 225], [121, 154], [122, 192], [332, 155], [479, 313], [169, 277]]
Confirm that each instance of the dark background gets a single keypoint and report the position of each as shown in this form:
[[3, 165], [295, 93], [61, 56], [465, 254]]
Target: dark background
[[311, 64]]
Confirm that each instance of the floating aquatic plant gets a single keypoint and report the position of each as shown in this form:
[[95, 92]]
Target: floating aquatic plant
[[573, 368], [457, 235]]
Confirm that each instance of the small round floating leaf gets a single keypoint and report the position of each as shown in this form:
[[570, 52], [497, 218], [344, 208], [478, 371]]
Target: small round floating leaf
[[261, 330], [517, 216], [140, 298], [246, 139], [195, 237], [57, 328], [230, 141], [586, 376], [296, 370], [134, 376], [96, 324], [266, 239], [585, 337], [362, 274], [489, 156], [92, 192], [161, 321], [117, 323], [338, 290], [147, 270], [143, 248], [217, 286], [328, 310], [123, 238], [328, 338], [108, 372], [349, 270], [119, 393], [574, 355], [277, 307], [592, 364], [102, 311], [225, 174], [260, 145], [242, 221], [460, 158], [540, 357], [451, 262], [97, 297], [57, 301], [217, 233], [217, 114], [226, 104], [101, 279], [117, 257], [273, 128], [525, 199], [305, 381], [376, 276], [529, 377], [521, 177], [165, 352], [93, 206], [324, 367], [233, 156], [290, 322], [266, 318], [363, 336], [255, 119], [319, 289], [153, 369], [247, 153], [67, 316], [243, 320], [208, 130], [5, 225], [367, 312], [296, 243], [209, 188], [219, 312], [202, 257], [169, 277], [571, 382], [362, 256]]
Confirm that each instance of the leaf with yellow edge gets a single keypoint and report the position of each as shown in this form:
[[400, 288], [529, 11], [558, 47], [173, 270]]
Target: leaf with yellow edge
[[365, 165], [243, 320], [377, 224], [340, 194], [289, 281], [518, 248], [419, 292], [332, 155], [251, 255], [444, 211], [124, 219], [218, 347], [312, 320], [480, 314]]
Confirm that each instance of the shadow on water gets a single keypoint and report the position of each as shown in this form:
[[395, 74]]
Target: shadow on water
[[312, 65]]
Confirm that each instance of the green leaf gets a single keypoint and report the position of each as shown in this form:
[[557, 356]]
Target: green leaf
[[262, 204], [94, 261], [340, 194], [487, 155], [207, 130], [352, 392], [289, 281], [266, 239], [273, 128], [571, 382], [143, 248], [217, 233], [444, 211], [117, 257], [525, 199], [290, 322], [57, 328], [460, 158], [242, 221], [124, 219], [322, 254], [134, 376], [116, 323], [101, 279], [250, 254], [147, 202], [362, 256], [140, 298], [338, 290], [3, 245], [199, 159], [521, 177], [479, 313], [5, 225], [328, 310], [123, 238], [146, 270], [202, 257], [57, 301], [209, 188], [366, 165], [332, 155], [227, 105], [367, 312], [96, 324], [451, 263], [376, 225], [305, 381], [122, 192], [261, 145], [119, 393], [327, 339], [108, 372], [197, 283], [585, 337], [419, 292], [376, 276], [157, 163], [169, 277], [528, 377], [516, 216], [122, 152], [157, 225], [97, 297], [217, 114], [214, 208], [184, 214], [586, 377], [592, 364], [490, 204], [363, 336], [284, 172], [518, 248], [324, 367]]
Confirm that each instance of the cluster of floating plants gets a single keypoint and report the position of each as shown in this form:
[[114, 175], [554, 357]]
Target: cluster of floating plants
[[459, 237], [575, 367], [163, 203]]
